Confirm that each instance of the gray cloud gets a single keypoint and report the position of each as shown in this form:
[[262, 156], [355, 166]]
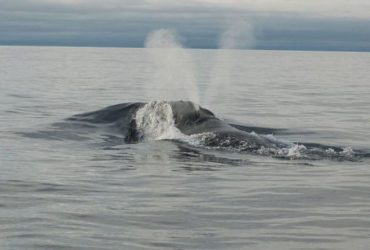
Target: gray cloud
[[199, 23]]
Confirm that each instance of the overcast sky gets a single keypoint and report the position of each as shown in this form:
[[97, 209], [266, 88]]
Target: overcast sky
[[270, 24]]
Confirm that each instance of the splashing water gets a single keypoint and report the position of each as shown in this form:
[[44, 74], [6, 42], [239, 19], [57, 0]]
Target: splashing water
[[155, 121], [174, 70], [181, 122], [237, 35], [174, 67]]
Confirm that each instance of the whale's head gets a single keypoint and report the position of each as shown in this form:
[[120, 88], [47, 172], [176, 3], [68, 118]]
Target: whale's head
[[186, 113]]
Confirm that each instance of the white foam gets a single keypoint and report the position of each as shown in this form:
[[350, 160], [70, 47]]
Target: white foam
[[348, 151], [155, 121], [330, 151], [295, 151]]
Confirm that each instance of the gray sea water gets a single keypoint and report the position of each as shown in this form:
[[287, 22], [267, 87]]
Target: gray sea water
[[63, 190]]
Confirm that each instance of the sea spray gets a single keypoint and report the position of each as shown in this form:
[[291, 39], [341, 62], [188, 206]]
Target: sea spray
[[155, 121], [239, 34], [173, 76]]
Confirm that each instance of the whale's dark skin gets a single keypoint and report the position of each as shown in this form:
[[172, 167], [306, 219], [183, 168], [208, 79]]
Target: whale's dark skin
[[191, 119], [194, 120]]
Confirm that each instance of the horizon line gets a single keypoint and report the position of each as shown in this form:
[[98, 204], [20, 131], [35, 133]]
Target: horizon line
[[191, 48]]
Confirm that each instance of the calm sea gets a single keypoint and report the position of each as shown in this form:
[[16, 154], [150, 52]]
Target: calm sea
[[66, 190]]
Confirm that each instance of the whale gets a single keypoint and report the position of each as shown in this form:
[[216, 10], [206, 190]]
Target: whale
[[188, 117], [192, 119], [138, 121]]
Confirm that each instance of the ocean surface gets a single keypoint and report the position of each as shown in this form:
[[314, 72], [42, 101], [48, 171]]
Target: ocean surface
[[67, 184]]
